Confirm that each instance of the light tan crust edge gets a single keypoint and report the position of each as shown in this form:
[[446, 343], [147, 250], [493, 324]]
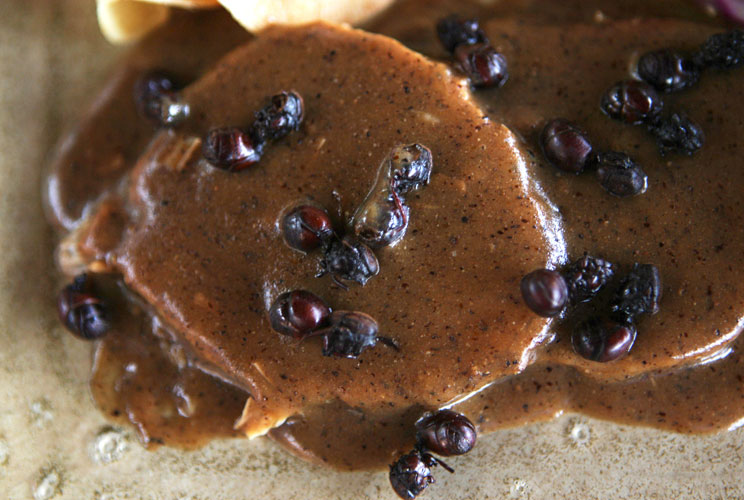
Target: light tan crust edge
[[125, 21], [254, 15]]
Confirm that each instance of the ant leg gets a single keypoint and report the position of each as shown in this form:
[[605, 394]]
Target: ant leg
[[440, 462], [389, 342], [339, 283]]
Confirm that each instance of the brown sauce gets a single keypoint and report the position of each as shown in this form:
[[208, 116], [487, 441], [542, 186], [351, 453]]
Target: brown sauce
[[706, 398], [144, 376], [457, 315]]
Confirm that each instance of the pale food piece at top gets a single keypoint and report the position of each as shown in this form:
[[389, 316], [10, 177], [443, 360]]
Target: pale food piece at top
[[125, 21]]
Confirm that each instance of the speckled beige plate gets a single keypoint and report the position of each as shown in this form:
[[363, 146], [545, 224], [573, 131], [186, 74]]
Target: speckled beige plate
[[54, 443]]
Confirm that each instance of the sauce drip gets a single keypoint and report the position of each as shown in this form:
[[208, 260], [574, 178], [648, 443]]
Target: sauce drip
[[144, 376]]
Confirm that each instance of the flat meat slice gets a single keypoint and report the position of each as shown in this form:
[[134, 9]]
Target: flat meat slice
[[687, 223], [204, 247]]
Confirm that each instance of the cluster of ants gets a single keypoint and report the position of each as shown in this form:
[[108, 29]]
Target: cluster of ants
[[381, 220]]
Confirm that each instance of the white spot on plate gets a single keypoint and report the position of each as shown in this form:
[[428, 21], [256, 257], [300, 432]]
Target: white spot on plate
[[579, 433], [48, 485], [103, 496], [109, 446], [518, 489], [4, 453], [41, 412]]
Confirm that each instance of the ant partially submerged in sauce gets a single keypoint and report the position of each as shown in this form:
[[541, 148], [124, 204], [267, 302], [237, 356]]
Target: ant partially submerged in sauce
[[349, 259], [307, 227], [350, 333], [382, 218], [302, 314]]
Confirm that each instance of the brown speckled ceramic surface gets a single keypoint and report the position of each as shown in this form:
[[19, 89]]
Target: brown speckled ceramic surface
[[55, 444]]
